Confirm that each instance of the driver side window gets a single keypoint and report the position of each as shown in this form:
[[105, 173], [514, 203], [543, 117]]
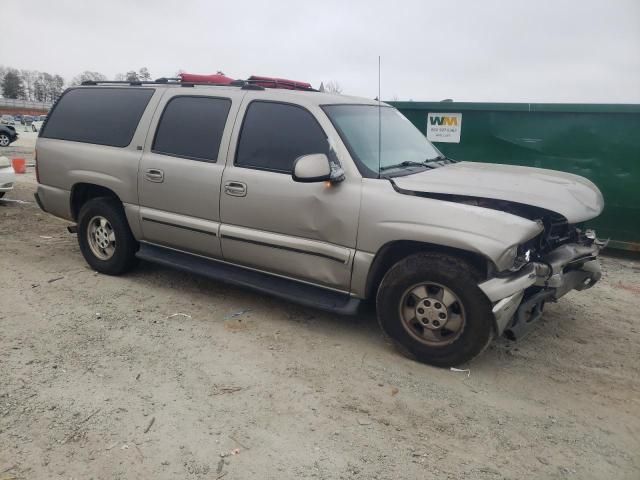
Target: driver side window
[[274, 135]]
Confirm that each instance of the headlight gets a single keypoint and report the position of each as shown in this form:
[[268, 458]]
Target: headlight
[[521, 260], [514, 258], [4, 162]]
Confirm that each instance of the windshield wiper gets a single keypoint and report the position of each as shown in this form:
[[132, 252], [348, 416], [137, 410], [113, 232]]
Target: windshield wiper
[[406, 163], [440, 158]]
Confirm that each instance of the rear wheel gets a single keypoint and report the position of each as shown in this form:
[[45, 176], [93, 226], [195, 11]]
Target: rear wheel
[[431, 307], [105, 239]]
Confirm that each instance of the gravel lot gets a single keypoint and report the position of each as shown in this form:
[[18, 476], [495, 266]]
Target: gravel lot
[[159, 374]]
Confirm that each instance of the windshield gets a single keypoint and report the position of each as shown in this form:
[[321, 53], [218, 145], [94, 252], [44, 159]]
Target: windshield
[[402, 146]]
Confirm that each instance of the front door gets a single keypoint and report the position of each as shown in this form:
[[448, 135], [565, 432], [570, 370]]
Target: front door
[[270, 222], [180, 172]]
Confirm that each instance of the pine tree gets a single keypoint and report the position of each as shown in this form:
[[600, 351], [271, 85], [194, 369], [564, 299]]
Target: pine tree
[[12, 86]]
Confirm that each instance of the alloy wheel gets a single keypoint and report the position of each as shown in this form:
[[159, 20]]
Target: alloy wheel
[[101, 237], [432, 314]]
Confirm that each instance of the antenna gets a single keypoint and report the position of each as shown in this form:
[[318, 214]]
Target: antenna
[[379, 122]]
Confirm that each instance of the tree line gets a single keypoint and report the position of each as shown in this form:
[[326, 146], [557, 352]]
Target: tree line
[[33, 85], [37, 86]]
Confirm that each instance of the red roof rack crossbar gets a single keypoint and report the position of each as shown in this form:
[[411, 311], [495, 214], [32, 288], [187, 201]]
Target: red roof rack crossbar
[[254, 80], [217, 78], [269, 82]]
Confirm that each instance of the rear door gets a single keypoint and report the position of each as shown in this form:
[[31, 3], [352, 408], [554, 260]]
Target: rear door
[[181, 169]]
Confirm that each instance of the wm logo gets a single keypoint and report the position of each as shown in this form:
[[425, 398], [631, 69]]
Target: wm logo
[[450, 121]]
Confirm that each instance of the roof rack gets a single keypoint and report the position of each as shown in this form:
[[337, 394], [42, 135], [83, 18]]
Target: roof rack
[[160, 81], [252, 83]]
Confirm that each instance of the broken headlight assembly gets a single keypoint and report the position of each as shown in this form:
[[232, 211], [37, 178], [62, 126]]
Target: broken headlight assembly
[[523, 257], [514, 258]]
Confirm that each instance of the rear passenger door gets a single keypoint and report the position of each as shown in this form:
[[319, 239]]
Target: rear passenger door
[[181, 170]]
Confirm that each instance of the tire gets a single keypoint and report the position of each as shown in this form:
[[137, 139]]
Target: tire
[[114, 234], [428, 338], [5, 140]]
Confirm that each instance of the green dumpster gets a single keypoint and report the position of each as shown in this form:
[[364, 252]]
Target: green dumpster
[[597, 141]]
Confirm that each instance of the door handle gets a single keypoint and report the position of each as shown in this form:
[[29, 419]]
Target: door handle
[[235, 189], [154, 175]]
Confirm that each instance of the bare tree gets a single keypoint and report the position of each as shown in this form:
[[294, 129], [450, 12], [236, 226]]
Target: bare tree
[[31, 84], [88, 76], [29, 78], [333, 87], [144, 75], [141, 75], [3, 72], [47, 87], [39, 90], [56, 87]]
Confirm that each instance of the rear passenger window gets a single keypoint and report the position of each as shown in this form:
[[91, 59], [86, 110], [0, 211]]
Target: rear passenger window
[[105, 116], [274, 135], [191, 127]]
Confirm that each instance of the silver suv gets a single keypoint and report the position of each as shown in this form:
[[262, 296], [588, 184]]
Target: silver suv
[[326, 200]]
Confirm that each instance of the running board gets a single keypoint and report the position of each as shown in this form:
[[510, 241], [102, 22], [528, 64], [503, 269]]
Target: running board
[[302, 293]]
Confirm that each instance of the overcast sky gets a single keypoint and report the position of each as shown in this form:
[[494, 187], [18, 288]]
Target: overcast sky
[[473, 50]]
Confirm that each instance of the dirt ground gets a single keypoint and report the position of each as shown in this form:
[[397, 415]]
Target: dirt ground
[[159, 374]]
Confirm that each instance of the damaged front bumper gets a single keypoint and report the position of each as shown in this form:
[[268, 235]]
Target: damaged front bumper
[[519, 298]]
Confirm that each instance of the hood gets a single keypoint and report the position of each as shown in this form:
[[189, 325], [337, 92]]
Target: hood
[[572, 196]]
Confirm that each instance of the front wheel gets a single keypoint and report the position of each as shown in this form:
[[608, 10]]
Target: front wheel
[[430, 305], [104, 236], [4, 140]]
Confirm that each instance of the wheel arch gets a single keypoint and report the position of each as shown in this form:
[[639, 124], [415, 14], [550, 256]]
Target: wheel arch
[[82, 192], [392, 252]]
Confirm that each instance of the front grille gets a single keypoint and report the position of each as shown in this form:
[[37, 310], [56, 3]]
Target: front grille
[[556, 232]]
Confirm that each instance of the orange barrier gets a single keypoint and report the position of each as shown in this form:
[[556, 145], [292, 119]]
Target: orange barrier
[[19, 165]]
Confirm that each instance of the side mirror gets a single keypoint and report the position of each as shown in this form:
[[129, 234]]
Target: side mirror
[[316, 167]]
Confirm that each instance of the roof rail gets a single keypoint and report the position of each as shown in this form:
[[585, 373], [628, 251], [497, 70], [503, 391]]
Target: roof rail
[[162, 81], [252, 83], [169, 81]]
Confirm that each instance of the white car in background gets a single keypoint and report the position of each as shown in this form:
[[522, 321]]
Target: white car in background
[[7, 176]]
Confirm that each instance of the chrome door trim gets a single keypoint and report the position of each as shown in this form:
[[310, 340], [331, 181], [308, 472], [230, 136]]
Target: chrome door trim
[[282, 247], [184, 222], [286, 242], [169, 224]]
